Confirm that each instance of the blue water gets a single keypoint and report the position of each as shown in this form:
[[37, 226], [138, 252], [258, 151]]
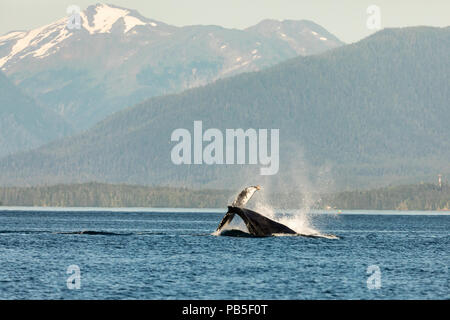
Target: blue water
[[172, 255]]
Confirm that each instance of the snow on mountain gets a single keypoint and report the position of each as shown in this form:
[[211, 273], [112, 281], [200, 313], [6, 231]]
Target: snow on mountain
[[131, 22], [39, 42], [11, 35], [117, 58], [301, 35], [36, 42], [106, 16]]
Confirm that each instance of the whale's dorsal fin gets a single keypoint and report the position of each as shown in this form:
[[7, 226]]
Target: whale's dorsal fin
[[244, 196]]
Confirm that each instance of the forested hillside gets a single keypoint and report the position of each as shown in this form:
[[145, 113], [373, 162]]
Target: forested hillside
[[24, 124], [410, 197], [372, 113]]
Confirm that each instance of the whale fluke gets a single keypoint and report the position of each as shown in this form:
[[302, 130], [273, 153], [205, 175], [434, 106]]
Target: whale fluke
[[245, 195], [256, 223]]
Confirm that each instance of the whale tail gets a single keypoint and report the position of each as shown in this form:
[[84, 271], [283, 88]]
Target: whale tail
[[244, 196], [256, 223], [241, 200], [226, 219]]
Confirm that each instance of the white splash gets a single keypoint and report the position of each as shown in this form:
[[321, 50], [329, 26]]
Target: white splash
[[299, 184], [298, 221]]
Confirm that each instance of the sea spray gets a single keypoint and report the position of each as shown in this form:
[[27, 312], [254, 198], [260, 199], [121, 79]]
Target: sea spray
[[299, 187], [299, 220], [302, 189]]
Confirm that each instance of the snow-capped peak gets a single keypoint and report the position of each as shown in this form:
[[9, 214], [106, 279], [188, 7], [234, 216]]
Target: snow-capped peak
[[43, 41], [30, 42], [106, 16]]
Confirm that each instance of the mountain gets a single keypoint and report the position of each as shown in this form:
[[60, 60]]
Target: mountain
[[24, 124], [118, 58], [366, 114], [305, 37]]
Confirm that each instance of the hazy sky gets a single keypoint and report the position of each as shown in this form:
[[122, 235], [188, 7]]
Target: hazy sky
[[344, 18]]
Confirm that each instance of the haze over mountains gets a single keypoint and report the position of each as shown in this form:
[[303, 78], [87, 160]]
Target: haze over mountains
[[23, 123], [371, 113], [118, 58]]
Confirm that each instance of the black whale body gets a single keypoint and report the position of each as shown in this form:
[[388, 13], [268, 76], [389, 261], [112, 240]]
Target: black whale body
[[257, 224]]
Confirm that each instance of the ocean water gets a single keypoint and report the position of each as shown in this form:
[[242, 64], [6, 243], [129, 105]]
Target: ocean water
[[172, 254]]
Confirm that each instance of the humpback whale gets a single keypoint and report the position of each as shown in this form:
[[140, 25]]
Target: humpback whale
[[257, 224]]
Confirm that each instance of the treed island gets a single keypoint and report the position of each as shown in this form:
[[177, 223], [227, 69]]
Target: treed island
[[423, 196]]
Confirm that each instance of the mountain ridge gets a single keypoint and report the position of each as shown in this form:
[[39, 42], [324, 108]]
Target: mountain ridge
[[366, 114], [118, 58]]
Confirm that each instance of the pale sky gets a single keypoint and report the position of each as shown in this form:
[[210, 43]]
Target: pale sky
[[344, 18]]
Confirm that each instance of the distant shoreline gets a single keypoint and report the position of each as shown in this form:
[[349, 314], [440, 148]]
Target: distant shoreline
[[428, 197], [214, 210]]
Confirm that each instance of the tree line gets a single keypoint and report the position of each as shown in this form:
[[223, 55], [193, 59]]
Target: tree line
[[425, 196]]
